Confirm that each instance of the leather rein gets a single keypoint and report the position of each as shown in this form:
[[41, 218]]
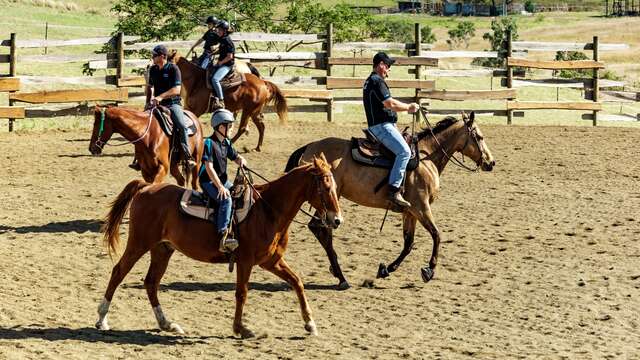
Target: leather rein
[[101, 144]]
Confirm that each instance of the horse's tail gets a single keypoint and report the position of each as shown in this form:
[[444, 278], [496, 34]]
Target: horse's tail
[[294, 159], [279, 100], [254, 70], [118, 208]]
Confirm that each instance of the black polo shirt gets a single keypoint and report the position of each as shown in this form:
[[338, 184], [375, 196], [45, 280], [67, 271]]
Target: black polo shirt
[[226, 47], [164, 79], [375, 92], [210, 38], [217, 152]]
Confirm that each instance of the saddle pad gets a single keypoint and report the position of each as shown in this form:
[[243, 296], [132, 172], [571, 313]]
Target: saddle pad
[[365, 156], [166, 123], [243, 201], [192, 203], [233, 79]]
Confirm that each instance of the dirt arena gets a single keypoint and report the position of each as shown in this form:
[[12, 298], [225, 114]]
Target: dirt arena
[[540, 259]]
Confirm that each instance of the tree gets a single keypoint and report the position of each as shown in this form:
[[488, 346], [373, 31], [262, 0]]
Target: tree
[[462, 33], [498, 37]]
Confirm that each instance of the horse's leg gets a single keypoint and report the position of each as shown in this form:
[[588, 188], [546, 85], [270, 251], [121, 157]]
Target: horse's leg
[[242, 287], [427, 221], [324, 235], [408, 231], [160, 255], [283, 271], [120, 270], [177, 174], [258, 119], [244, 119]]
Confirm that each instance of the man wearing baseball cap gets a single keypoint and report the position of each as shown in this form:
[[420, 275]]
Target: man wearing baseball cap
[[163, 88], [380, 109]]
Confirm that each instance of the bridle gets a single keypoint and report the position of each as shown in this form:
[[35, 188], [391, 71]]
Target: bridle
[[317, 180], [472, 134], [102, 143]]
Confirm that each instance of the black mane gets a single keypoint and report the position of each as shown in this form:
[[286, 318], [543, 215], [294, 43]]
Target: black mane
[[439, 127]]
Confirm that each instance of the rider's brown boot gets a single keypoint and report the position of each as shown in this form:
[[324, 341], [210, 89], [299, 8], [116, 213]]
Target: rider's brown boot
[[396, 198]]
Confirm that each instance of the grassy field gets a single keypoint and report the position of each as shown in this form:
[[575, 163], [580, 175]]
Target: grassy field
[[91, 18]]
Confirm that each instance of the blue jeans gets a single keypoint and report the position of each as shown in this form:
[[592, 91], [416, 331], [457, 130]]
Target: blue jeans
[[389, 136], [177, 115], [218, 75], [204, 59], [223, 217]]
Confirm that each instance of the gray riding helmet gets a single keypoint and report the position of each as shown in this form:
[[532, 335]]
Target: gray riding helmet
[[221, 116]]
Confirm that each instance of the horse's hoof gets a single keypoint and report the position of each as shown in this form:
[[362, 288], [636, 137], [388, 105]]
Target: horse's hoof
[[344, 285], [173, 327], [102, 325], [245, 333], [427, 273], [258, 149], [311, 328], [382, 271]]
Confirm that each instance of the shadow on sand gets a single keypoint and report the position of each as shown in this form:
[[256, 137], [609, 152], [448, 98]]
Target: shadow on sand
[[77, 226]]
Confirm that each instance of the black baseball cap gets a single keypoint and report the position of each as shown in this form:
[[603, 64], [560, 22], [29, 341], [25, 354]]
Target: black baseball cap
[[160, 50], [382, 56]]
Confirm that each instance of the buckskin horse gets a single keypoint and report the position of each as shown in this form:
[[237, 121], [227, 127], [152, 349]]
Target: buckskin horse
[[151, 144], [434, 147], [250, 97], [157, 225]]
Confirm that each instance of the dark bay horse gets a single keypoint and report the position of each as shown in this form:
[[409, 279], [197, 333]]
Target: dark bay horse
[[357, 182], [249, 97], [156, 225], [150, 142]]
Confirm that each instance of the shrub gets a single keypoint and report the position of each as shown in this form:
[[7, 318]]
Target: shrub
[[529, 6], [568, 56]]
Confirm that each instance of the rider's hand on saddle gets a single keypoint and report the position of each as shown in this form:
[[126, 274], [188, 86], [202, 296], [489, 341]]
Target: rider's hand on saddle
[[223, 193]]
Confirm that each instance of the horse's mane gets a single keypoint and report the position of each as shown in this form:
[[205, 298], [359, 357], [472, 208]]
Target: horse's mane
[[438, 128]]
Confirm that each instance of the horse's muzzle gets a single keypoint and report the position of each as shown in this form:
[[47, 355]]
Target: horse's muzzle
[[333, 220], [488, 165]]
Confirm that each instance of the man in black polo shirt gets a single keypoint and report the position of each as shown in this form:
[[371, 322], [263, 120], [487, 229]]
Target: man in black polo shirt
[[210, 39], [164, 88], [381, 109]]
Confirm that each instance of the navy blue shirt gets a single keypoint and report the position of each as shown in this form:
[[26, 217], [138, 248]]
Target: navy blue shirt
[[210, 38], [375, 92], [227, 47], [217, 152], [162, 80]]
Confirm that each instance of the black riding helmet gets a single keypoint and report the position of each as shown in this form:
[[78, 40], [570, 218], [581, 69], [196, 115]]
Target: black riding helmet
[[212, 20], [223, 25]]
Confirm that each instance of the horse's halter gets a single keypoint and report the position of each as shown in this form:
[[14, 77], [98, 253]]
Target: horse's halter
[[472, 133], [102, 143], [317, 180]]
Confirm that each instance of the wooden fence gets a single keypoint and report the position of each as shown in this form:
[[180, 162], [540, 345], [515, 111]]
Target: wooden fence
[[326, 94], [12, 84]]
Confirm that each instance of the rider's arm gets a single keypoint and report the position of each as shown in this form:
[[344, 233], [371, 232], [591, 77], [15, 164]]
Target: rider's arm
[[226, 59], [397, 105], [174, 91], [215, 180], [196, 44], [176, 79]]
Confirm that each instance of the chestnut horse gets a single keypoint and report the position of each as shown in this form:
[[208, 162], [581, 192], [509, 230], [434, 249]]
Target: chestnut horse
[[150, 142], [250, 97], [156, 225], [435, 147]]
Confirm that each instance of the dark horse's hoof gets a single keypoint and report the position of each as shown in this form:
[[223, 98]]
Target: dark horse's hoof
[[343, 285], [427, 273], [382, 271]]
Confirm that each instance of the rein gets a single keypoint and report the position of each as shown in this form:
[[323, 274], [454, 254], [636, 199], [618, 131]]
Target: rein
[[455, 160], [101, 144], [250, 181]]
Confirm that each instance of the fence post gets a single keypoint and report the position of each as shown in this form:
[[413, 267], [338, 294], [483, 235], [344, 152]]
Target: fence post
[[596, 82], [12, 69], [329, 54], [120, 56], [418, 52], [509, 71]]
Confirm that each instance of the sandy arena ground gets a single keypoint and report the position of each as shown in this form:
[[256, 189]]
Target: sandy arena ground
[[540, 259]]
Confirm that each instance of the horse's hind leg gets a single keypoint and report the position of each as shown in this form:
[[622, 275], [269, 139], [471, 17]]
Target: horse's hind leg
[[282, 270], [160, 255], [244, 120], [120, 270], [408, 231], [258, 119], [324, 235], [177, 174]]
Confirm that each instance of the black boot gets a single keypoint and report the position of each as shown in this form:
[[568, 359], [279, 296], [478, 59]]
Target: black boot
[[396, 198]]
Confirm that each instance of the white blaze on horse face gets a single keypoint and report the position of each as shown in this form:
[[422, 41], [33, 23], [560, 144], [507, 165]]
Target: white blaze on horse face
[[103, 309]]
